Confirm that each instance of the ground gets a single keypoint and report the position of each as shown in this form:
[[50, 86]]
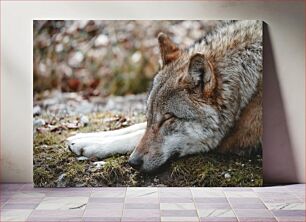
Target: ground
[[56, 166]]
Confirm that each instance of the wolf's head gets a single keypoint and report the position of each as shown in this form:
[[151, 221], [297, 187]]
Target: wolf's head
[[181, 112]]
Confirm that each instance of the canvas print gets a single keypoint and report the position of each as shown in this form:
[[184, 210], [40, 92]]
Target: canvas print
[[147, 103]]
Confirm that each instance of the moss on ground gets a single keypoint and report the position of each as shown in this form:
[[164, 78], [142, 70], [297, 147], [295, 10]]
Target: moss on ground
[[56, 166]]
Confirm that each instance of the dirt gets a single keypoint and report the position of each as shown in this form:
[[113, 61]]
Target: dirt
[[56, 166]]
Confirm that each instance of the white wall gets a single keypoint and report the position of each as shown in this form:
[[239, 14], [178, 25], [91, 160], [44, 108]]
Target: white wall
[[284, 105]]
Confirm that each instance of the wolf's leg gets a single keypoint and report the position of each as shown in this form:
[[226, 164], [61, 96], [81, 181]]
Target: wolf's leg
[[103, 134], [104, 144]]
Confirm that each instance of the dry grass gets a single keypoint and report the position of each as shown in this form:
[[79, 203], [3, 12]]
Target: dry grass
[[56, 166]]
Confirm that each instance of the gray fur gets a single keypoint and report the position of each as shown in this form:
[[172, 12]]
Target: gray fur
[[236, 49]]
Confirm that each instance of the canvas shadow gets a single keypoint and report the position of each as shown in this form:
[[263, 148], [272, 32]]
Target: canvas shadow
[[278, 160]]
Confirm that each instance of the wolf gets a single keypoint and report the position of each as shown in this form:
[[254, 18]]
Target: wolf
[[205, 97]]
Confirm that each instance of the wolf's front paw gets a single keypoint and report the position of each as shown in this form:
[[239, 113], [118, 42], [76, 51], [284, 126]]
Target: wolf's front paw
[[89, 146], [104, 144], [83, 149]]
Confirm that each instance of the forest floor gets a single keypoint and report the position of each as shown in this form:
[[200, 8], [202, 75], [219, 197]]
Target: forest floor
[[60, 115]]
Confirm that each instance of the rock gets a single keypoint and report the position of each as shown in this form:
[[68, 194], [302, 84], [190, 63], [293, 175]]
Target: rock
[[44, 147], [42, 68], [108, 120], [81, 158], [84, 107], [73, 125], [47, 103], [36, 111], [38, 122], [227, 176], [99, 164], [136, 57], [156, 180], [59, 48], [84, 120], [76, 59], [60, 180], [101, 40]]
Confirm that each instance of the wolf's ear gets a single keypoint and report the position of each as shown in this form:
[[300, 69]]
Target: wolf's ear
[[202, 74], [169, 50]]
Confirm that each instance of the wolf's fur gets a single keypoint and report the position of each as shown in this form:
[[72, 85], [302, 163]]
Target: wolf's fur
[[205, 97]]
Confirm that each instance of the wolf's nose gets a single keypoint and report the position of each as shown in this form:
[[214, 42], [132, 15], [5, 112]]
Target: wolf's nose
[[136, 163]]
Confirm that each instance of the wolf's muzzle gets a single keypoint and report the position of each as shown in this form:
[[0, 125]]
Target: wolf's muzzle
[[135, 162]]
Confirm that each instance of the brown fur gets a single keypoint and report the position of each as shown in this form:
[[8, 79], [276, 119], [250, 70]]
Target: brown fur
[[168, 50], [247, 132]]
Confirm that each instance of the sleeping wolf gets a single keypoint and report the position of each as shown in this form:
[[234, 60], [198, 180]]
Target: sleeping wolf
[[206, 97]]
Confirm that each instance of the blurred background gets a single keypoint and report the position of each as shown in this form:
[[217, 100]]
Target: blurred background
[[81, 67], [103, 57], [85, 69]]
